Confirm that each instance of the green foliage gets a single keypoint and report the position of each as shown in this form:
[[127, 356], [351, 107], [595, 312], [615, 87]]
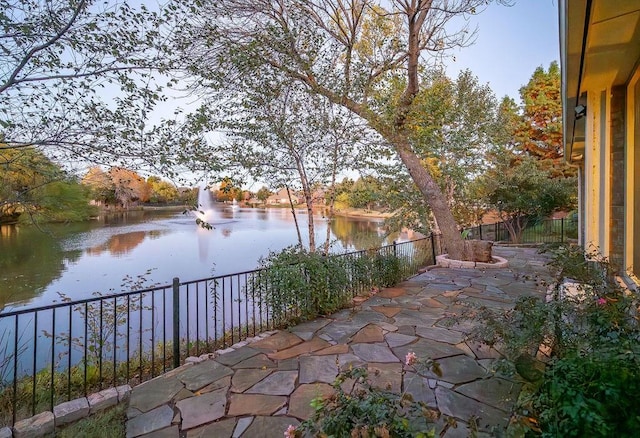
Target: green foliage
[[90, 377], [540, 131], [263, 194], [367, 411], [62, 201], [590, 384], [376, 270], [452, 122], [367, 192], [35, 188], [593, 394], [298, 285], [162, 192], [521, 191]]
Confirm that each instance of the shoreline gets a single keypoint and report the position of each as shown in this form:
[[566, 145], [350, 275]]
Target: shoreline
[[362, 213]]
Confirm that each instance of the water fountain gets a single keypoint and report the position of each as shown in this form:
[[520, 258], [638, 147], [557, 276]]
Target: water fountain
[[205, 206]]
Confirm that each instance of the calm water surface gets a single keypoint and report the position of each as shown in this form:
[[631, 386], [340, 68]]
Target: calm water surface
[[151, 247]]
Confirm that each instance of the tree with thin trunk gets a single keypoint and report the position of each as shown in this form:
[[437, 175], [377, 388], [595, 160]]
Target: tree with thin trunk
[[287, 139], [356, 53]]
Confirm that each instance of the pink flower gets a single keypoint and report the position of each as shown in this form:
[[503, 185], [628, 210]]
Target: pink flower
[[411, 358], [290, 432], [601, 301]]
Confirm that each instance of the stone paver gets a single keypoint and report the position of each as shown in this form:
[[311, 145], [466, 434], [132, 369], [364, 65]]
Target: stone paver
[[236, 356], [244, 379], [277, 383], [219, 429], [155, 419], [269, 427], [369, 334], [279, 341], [315, 369], [202, 409], [205, 373], [387, 311], [258, 404], [499, 393], [167, 432], [258, 387], [300, 400], [241, 426], [154, 393], [306, 347], [257, 361], [374, 352], [456, 405], [398, 339], [334, 349], [102, 400]]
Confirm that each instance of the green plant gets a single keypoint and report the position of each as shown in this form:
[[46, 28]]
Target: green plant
[[110, 424], [589, 386], [296, 284], [366, 411], [591, 394]]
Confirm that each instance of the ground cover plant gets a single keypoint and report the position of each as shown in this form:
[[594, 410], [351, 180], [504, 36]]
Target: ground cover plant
[[359, 409], [588, 381]]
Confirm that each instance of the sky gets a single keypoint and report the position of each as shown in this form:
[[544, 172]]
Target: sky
[[511, 43]]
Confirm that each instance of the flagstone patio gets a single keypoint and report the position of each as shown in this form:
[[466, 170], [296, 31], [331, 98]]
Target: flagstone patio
[[258, 388]]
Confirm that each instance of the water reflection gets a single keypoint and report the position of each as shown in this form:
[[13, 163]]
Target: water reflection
[[359, 234], [119, 244], [30, 259], [79, 259]]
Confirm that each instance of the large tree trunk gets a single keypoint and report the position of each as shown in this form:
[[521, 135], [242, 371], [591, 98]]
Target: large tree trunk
[[452, 238]]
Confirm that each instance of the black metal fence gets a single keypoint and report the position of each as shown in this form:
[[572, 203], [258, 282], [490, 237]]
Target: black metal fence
[[52, 354], [535, 231]]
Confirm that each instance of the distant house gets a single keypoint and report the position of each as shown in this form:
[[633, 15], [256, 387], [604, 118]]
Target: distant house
[[600, 57], [282, 198]]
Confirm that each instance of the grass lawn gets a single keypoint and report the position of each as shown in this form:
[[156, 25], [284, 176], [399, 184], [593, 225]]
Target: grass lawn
[[108, 424]]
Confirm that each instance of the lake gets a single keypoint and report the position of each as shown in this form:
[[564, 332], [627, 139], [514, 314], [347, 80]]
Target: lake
[[121, 250]]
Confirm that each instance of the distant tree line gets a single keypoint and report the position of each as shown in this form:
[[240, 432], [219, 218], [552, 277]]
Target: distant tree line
[[34, 188], [121, 187]]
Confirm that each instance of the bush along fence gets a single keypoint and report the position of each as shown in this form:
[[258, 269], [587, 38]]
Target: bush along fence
[[53, 354]]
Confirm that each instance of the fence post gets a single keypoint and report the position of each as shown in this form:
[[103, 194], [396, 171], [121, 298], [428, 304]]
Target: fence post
[[395, 249], [433, 248], [562, 230], [176, 322], [480, 231]]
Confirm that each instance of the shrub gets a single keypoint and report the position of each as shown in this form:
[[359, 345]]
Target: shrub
[[590, 384], [296, 284], [367, 411]]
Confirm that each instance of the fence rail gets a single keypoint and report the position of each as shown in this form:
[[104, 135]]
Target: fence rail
[[535, 231], [55, 353], [52, 354]]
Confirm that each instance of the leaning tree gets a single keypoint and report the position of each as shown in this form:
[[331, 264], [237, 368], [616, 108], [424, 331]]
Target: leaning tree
[[364, 55]]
